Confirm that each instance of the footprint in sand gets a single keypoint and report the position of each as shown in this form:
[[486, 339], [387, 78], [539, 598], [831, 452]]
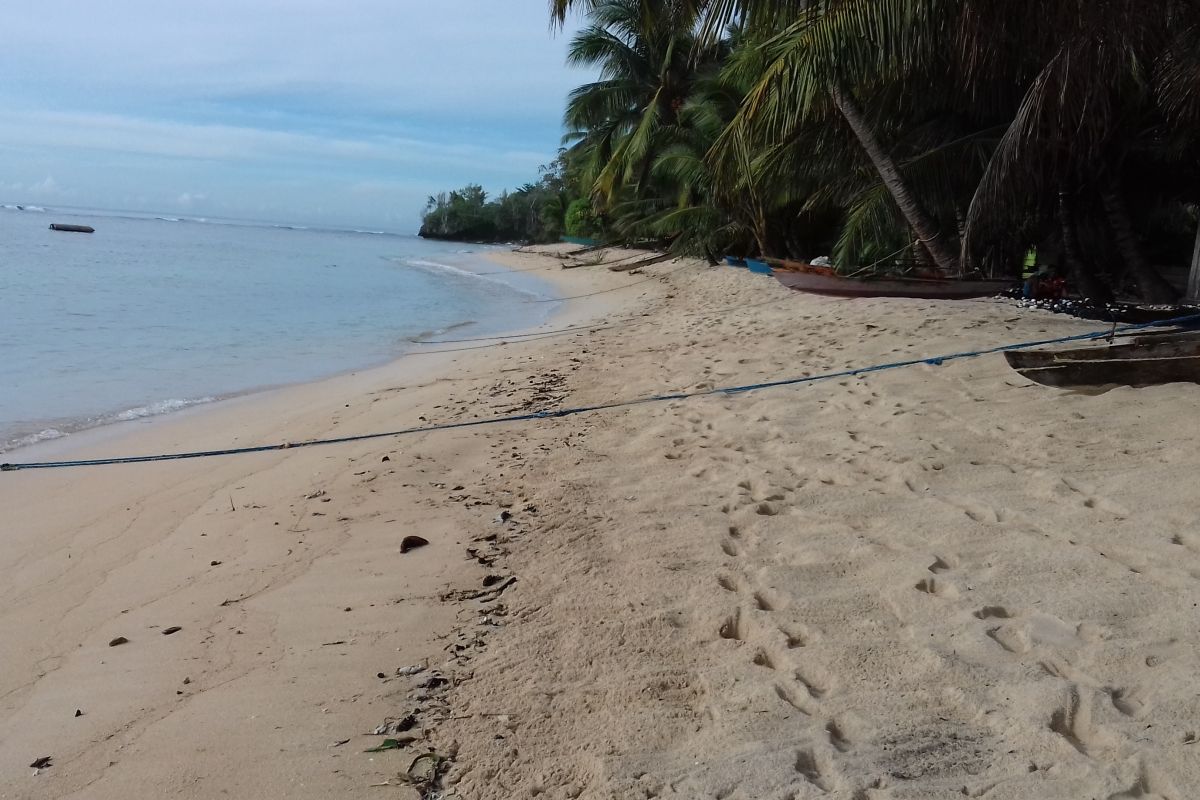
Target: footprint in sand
[[817, 681], [817, 769], [734, 627], [1132, 701], [1151, 783], [994, 612], [1012, 637], [845, 731], [797, 636], [769, 660], [769, 600], [943, 564], [729, 583], [796, 697], [939, 587], [1073, 721]]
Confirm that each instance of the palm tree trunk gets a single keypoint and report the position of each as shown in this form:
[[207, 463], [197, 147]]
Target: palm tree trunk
[[1193, 290], [925, 226], [1085, 279], [1151, 286]]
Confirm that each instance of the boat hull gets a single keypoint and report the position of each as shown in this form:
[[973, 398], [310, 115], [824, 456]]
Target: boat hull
[[817, 280], [1143, 361]]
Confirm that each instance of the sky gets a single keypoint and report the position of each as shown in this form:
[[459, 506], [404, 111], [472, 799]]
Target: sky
[[338, 112]]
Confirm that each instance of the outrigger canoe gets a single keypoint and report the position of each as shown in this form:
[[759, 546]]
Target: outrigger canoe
[[823, 280], [1143, 360]]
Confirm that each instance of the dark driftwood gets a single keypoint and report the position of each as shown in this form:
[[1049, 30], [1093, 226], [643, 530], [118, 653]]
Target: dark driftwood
[[599, 259], [58, 226], [591, 248], [1144, 361], [645, 262]]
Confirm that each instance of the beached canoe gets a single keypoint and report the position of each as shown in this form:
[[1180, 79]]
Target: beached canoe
[[758, 266], [58, 226], [1143, 360], [823, 280]]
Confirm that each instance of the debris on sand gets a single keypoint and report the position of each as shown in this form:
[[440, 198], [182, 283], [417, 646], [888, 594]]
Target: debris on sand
[[493, 588], [412, 543], [117, 641], [392, 744], [391, 726]]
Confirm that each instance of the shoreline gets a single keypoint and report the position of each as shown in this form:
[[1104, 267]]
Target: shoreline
[[914, 583], [269, 563], [107, 425]]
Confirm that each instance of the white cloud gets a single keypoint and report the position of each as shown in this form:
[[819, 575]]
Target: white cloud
[[286, 109], [368, 54], [215, 142], [46, 187]]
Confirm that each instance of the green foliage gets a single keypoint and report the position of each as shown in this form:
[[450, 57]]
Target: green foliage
[[957, 134], [533, 213], [581, 220], [963, 132]]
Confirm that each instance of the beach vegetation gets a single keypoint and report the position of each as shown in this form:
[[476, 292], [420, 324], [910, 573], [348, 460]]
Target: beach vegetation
[[954, 136]]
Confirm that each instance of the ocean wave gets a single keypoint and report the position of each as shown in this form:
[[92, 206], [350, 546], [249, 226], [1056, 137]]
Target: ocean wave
[[33, 438], [168, 219], [435, 266], [157, 409], [65, 428], [38, 209]]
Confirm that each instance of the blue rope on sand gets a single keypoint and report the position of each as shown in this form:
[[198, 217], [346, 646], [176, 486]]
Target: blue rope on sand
[[935, 361]]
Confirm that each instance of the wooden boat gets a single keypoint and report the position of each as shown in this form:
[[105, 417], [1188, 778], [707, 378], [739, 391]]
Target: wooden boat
[[823, 280], [1144, 360], [58, 226]]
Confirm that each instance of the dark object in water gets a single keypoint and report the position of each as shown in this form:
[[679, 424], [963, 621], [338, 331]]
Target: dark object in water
[[1146, 359], [823, 280], [58, 226]]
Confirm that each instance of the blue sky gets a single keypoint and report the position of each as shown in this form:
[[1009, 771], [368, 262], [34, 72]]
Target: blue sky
[[317, 111]]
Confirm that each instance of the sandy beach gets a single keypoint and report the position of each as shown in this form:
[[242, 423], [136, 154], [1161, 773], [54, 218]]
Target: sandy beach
[[932, 582]]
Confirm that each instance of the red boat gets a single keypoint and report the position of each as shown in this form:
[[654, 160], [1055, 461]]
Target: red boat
[[823, 280]]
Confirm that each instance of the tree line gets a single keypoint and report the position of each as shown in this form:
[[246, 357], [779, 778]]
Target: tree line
[[962, 136]]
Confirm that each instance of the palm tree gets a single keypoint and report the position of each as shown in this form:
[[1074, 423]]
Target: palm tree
[[1083, 92], [646, 63], [649, 13]]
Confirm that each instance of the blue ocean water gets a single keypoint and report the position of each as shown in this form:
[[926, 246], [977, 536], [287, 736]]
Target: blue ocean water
[[148, 314]]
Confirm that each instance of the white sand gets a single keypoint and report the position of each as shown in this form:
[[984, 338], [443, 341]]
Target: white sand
[[926, 583]]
